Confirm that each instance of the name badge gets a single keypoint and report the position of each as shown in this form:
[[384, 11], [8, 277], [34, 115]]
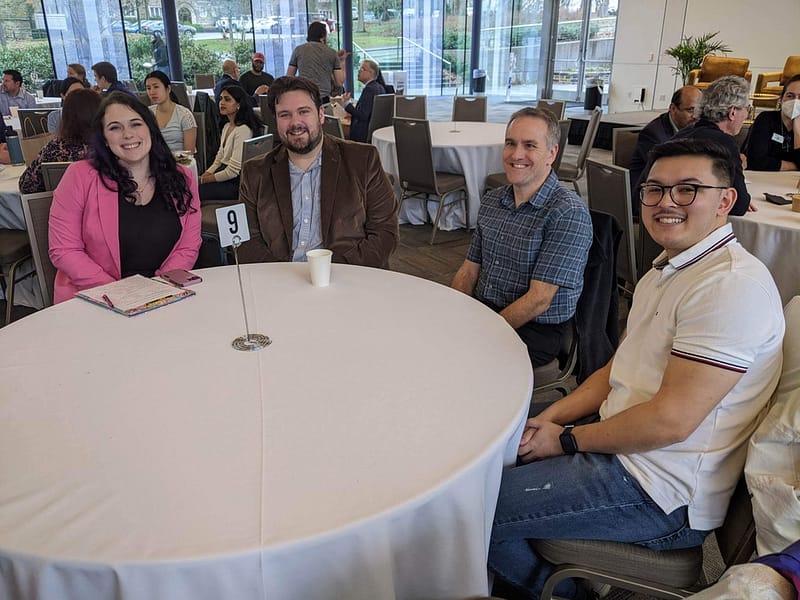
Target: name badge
[[777, 137]]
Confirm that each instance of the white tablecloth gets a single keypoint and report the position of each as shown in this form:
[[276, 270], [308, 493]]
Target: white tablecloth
[[357, 457], [773, 232], [475, 151]]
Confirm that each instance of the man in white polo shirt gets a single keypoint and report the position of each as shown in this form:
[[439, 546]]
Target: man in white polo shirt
[[677, 402]]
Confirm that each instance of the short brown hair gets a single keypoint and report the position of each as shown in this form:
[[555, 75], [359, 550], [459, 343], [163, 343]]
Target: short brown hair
[[553, 129], [292, 84]]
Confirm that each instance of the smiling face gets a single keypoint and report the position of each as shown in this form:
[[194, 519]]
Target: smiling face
[[526, 157], [156, 91], [678, 228], [299, 121], [126, 134]]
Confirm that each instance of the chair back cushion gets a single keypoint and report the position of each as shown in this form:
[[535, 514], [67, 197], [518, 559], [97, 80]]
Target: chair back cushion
[[382, 113], [414, 155], [257, 146], [790, 69], [36, 208], [715, 67]]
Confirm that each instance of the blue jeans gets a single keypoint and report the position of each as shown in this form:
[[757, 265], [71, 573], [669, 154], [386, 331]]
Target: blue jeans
[[585, 496]]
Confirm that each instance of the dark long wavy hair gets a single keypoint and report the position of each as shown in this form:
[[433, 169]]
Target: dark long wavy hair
[[171, 183], [245, 115]]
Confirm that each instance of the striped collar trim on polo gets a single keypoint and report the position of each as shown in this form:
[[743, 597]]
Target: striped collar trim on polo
[[716, 239]]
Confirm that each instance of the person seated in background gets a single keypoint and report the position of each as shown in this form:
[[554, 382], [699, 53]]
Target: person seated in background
[[677, 402], [370, 75], [71, 142], [129, 209], [13, 93], [70, 84], [76, 71], [176, 122], [532, 240], [722, 110], [679, 115], [221, 179], [230, 76], [105, 74], [773, 143], [316, 191], [256, 81]]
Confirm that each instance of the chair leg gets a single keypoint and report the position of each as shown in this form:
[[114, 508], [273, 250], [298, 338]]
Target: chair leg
[[12, 273], [436, 220], [577, 189], [466, 211]]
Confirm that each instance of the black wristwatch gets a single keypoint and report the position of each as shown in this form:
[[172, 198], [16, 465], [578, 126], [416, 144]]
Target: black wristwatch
[[568, 442]]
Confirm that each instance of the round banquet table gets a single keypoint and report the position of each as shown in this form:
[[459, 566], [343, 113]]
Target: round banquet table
[[772, 233], [358, 456], [474, 150]]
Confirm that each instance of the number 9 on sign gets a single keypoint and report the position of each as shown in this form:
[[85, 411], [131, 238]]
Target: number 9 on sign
[[232, 225]]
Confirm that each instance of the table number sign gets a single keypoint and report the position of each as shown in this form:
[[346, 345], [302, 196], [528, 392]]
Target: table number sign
[[233, 230]]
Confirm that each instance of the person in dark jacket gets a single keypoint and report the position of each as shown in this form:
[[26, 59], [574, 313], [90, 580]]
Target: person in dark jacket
[[723, 108], [773, 143], [679, 115], [370, 75]]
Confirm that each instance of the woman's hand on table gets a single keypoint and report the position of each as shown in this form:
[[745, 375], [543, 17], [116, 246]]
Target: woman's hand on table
[[207, 178]]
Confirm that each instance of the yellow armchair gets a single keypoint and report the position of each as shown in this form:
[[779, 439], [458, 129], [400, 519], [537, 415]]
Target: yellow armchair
[[714, 67], [772, 82]]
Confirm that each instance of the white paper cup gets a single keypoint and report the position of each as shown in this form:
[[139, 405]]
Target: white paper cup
[[14, 111], [40, 94], [319, 262]]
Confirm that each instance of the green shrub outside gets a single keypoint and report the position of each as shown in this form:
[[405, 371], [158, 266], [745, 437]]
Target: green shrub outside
[[32, 60]]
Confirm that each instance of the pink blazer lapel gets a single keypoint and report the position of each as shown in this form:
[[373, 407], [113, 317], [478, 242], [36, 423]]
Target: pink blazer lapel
[[108, 211]]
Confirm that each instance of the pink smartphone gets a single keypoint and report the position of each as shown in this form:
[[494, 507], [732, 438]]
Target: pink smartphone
[[181, 277]]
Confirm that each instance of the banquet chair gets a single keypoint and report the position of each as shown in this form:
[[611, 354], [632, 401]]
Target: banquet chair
[[623, 145], [418, 179], [200, 143], [496, 180], [36, 208], [32, 145], [256, 146], [130, 84], [570, 173], [556, 107], [204, 81], [411, 107], [179, 88], [469, 108], [52, 172], [772, 82], [609, 191], [144, 98], [382, 114], [267, 116], [14, 250], [556, 374], [647, 250], [660, 574], [714, 67], [33, 121], [333, 126]]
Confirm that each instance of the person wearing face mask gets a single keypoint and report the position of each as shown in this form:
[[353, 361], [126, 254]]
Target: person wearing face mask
[[774, 140]]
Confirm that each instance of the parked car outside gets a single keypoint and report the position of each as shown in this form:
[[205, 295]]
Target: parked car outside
[[153, 26]]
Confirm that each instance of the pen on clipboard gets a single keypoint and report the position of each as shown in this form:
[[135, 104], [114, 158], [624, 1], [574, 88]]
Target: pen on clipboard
[[108, 301]]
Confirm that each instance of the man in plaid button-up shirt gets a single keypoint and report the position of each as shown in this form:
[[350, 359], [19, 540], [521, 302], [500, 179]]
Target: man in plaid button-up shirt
[[530, 247]]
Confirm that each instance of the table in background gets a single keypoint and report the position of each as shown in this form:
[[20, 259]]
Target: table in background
[[475, 150], [359, 456], [11, 217], [772, 233]]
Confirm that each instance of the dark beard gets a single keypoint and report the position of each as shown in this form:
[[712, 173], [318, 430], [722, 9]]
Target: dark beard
[[312, 143]]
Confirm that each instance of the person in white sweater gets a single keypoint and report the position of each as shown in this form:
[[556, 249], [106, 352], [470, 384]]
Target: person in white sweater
[[221, 179]]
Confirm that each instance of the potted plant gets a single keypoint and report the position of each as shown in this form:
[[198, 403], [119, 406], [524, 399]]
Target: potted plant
[[691, 52]]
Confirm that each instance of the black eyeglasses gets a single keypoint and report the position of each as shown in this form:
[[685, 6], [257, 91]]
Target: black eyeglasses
[[682, 194]]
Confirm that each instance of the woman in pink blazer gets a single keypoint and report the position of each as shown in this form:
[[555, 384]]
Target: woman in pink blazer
[[129, 209]]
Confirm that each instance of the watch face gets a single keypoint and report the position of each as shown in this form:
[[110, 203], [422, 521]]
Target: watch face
[[568, 443]]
